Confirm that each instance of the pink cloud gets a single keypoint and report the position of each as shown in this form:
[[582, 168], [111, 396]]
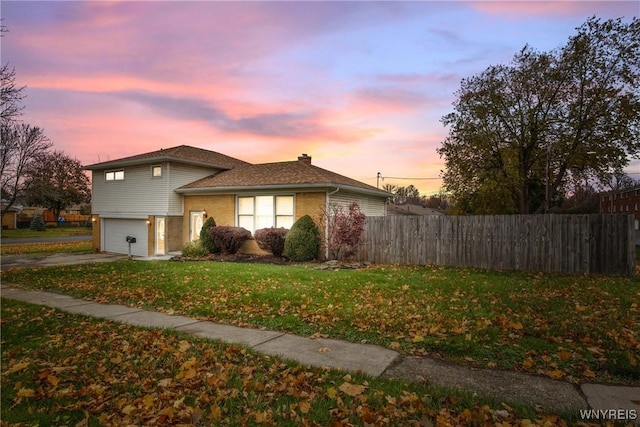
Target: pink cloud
[[559, 8]]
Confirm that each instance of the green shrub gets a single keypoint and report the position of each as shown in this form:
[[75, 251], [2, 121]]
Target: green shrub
[[37, 223], [205, 236], [229, 239], [271, 239], [303, 240], [194, 249]]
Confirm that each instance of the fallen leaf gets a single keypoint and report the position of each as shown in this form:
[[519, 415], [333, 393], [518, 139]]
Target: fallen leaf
[[304, 406], [352, 390], [332, 393], [564, 355], [418, 338], [18, 367], [26, 392]]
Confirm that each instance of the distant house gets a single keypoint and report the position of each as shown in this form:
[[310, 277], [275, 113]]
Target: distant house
[[162, 198], [415, 210], [625, 201], [10, 218]]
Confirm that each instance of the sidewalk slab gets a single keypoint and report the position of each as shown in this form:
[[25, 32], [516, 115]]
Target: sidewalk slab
[[367, 358], [607, 397], [152, 319], [519, 387], [43, 298], [106, 311], [229, 333]]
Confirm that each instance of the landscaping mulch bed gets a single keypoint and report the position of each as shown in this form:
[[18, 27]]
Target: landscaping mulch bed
[[271, 259]]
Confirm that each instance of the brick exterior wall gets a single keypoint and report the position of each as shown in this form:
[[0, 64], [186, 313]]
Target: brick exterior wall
[[623, 201], [222, 209]]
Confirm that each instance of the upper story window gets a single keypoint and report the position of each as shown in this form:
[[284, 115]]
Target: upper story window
[[258, 212], [156, 171], [114, 175]]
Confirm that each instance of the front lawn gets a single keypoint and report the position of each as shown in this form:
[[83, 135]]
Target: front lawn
[[45, 248], [574, 328], [25, 233], [64, 369]]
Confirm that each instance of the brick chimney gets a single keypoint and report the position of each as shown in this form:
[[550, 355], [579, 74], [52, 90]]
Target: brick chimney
[[305, 159]]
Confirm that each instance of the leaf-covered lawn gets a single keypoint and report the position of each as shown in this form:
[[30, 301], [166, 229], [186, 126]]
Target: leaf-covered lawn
[[45, 247], [23, 233], [64, 369], [574, 328]]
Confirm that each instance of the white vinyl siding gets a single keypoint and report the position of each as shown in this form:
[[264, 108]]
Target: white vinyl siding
[[370, 206], [141, 193]]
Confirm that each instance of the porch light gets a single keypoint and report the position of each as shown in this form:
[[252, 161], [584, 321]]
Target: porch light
[[204, 213]]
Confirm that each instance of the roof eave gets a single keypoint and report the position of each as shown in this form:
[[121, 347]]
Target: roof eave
[[316, 186], [150, 161]]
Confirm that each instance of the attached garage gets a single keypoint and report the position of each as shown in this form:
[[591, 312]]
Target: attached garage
[[114, 236]]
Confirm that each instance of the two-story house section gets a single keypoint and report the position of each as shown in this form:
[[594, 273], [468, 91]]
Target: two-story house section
[[135, 197]]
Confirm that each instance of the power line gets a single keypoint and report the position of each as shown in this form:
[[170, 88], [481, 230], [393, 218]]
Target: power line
[[417, 179]]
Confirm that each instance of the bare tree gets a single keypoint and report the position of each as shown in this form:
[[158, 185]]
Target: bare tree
[[11, 96], [21, 147]]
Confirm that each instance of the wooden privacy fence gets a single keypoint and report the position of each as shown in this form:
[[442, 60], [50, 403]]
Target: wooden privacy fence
[[584, 244]]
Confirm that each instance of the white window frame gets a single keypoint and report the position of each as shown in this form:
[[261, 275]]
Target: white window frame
[[253, 215], [114, 175], [155, 168]]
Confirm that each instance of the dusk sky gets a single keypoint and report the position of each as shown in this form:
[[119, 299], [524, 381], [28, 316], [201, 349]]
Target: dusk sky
[[359, 86]]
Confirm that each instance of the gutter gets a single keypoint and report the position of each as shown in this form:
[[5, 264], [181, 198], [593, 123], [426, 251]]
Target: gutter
[[238, 188], [326, 222]]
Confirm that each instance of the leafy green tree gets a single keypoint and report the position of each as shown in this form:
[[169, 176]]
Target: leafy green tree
[[521, 132], [56, 182]]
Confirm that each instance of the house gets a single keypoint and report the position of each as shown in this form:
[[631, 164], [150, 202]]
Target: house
[[10, 218], [625, 201], [162, 198], [412, 210], [622, 201]]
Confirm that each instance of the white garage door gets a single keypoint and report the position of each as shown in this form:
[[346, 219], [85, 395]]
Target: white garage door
[[115, 232]]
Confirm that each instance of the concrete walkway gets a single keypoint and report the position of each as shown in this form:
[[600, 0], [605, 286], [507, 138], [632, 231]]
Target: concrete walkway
[[370, 359]]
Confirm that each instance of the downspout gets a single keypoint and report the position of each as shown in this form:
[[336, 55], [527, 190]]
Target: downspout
[[326, 223]]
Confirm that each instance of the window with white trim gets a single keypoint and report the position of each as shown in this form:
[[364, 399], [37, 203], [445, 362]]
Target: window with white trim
[[156, 171], [256, 212], [114, 175]]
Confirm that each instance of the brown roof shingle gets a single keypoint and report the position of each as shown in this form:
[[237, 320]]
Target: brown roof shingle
[[181, 153], [294, 173]]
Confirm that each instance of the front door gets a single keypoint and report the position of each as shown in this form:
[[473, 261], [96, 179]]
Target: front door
[[195, 224], [160, 229]]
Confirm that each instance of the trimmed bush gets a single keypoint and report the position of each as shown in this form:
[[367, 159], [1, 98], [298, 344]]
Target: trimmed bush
[[229, 239], [205, 236], [194, 249], [271, 239], [303, 240], [37, 223]]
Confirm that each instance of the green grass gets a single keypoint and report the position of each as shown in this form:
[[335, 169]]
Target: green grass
[[45, 248], [25, 233], [65, 369], [575, 328]]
